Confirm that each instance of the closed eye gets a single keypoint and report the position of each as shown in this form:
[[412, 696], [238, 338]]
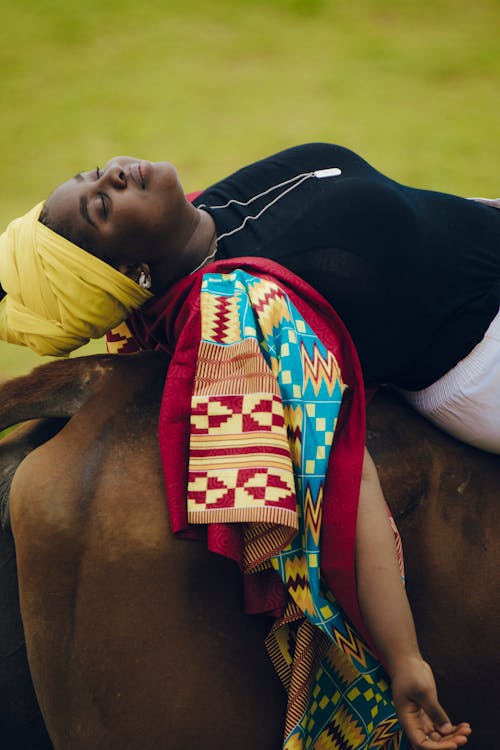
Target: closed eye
[[104, 204]]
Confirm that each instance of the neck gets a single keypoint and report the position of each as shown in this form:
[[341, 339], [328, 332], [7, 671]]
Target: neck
[[187, 249], [203, 241]]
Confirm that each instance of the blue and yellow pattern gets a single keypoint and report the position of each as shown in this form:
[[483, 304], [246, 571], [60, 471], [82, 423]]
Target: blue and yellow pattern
[[264, 411]]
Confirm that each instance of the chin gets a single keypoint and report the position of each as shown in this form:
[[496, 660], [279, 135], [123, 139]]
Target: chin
[[166, 169]]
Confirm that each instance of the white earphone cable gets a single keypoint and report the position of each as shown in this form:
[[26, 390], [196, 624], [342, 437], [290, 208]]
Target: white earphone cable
[[268, 205], [297, 180]]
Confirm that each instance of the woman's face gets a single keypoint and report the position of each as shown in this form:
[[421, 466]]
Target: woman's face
[[123, 212]]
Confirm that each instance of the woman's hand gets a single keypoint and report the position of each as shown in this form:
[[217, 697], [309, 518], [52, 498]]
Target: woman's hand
[[419, 711], [388, 616]]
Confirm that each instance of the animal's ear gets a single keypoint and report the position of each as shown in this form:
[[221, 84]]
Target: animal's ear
[[134, 270]]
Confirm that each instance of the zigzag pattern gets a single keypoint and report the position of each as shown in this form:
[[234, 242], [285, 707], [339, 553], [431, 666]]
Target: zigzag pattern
[[351, 645], [293, 419], [313, 514], [342, 665], [344, 732], [396, 742], [270, 304], [318, 370], [297, 582], [383, 733], [220, 318]]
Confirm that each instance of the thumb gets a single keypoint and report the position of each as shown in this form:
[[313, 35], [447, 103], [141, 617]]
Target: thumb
[[432, 707], [437, 715]]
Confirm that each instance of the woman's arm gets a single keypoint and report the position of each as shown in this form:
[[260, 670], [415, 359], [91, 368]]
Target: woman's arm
[[386, 611]]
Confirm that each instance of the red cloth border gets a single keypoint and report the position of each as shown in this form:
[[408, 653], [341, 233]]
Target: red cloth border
[[171, 323], [193, 196]]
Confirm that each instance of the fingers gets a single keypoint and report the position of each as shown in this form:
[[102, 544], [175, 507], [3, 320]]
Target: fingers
[[442, 728], [428, 726], [436, 713], [430, 738], [459, 734], [445, 728], [424, 720]]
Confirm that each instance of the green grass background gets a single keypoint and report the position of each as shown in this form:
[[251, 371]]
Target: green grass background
[[411, 85]]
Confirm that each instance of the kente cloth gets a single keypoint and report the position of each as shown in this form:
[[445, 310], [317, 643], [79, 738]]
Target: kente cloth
[[262, 383], [58, 296]]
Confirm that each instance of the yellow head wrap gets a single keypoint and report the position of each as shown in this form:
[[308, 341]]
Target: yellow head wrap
[[58, 296]]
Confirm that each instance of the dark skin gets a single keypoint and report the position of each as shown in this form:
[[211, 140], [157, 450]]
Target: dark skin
[[134, 215]]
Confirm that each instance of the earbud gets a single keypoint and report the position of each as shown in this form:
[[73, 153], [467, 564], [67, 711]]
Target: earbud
[[332, 172], [144, 280]]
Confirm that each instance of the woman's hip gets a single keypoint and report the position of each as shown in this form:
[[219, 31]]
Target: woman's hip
[[465, 402]]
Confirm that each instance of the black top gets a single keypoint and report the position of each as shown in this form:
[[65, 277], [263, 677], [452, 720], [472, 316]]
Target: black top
[[414, 274]]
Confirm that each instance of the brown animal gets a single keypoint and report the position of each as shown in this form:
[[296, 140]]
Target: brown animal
[[136, 639], [21, 724]]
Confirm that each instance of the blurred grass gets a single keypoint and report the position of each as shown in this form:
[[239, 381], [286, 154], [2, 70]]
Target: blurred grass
[[412, 86]]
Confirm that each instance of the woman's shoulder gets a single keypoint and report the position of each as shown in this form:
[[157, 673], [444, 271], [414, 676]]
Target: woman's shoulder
[[311, 156], [285, 164]]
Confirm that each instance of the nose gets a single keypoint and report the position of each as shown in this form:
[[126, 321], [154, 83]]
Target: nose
[[115, 176]]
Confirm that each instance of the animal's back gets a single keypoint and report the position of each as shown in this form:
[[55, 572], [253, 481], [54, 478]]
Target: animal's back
[[135, 639], [138, 639]]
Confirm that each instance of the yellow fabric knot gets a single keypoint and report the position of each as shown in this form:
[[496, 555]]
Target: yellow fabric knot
[[58, 296]]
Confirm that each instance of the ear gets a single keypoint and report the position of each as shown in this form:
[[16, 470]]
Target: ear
[[134, 270]]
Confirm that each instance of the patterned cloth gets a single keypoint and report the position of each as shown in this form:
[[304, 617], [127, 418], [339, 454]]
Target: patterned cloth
[[264, 407]]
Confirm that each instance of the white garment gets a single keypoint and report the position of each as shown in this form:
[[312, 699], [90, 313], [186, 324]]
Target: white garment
[[465, 402]]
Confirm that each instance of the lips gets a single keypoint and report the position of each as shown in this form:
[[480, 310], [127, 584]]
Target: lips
[[140, 173]]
